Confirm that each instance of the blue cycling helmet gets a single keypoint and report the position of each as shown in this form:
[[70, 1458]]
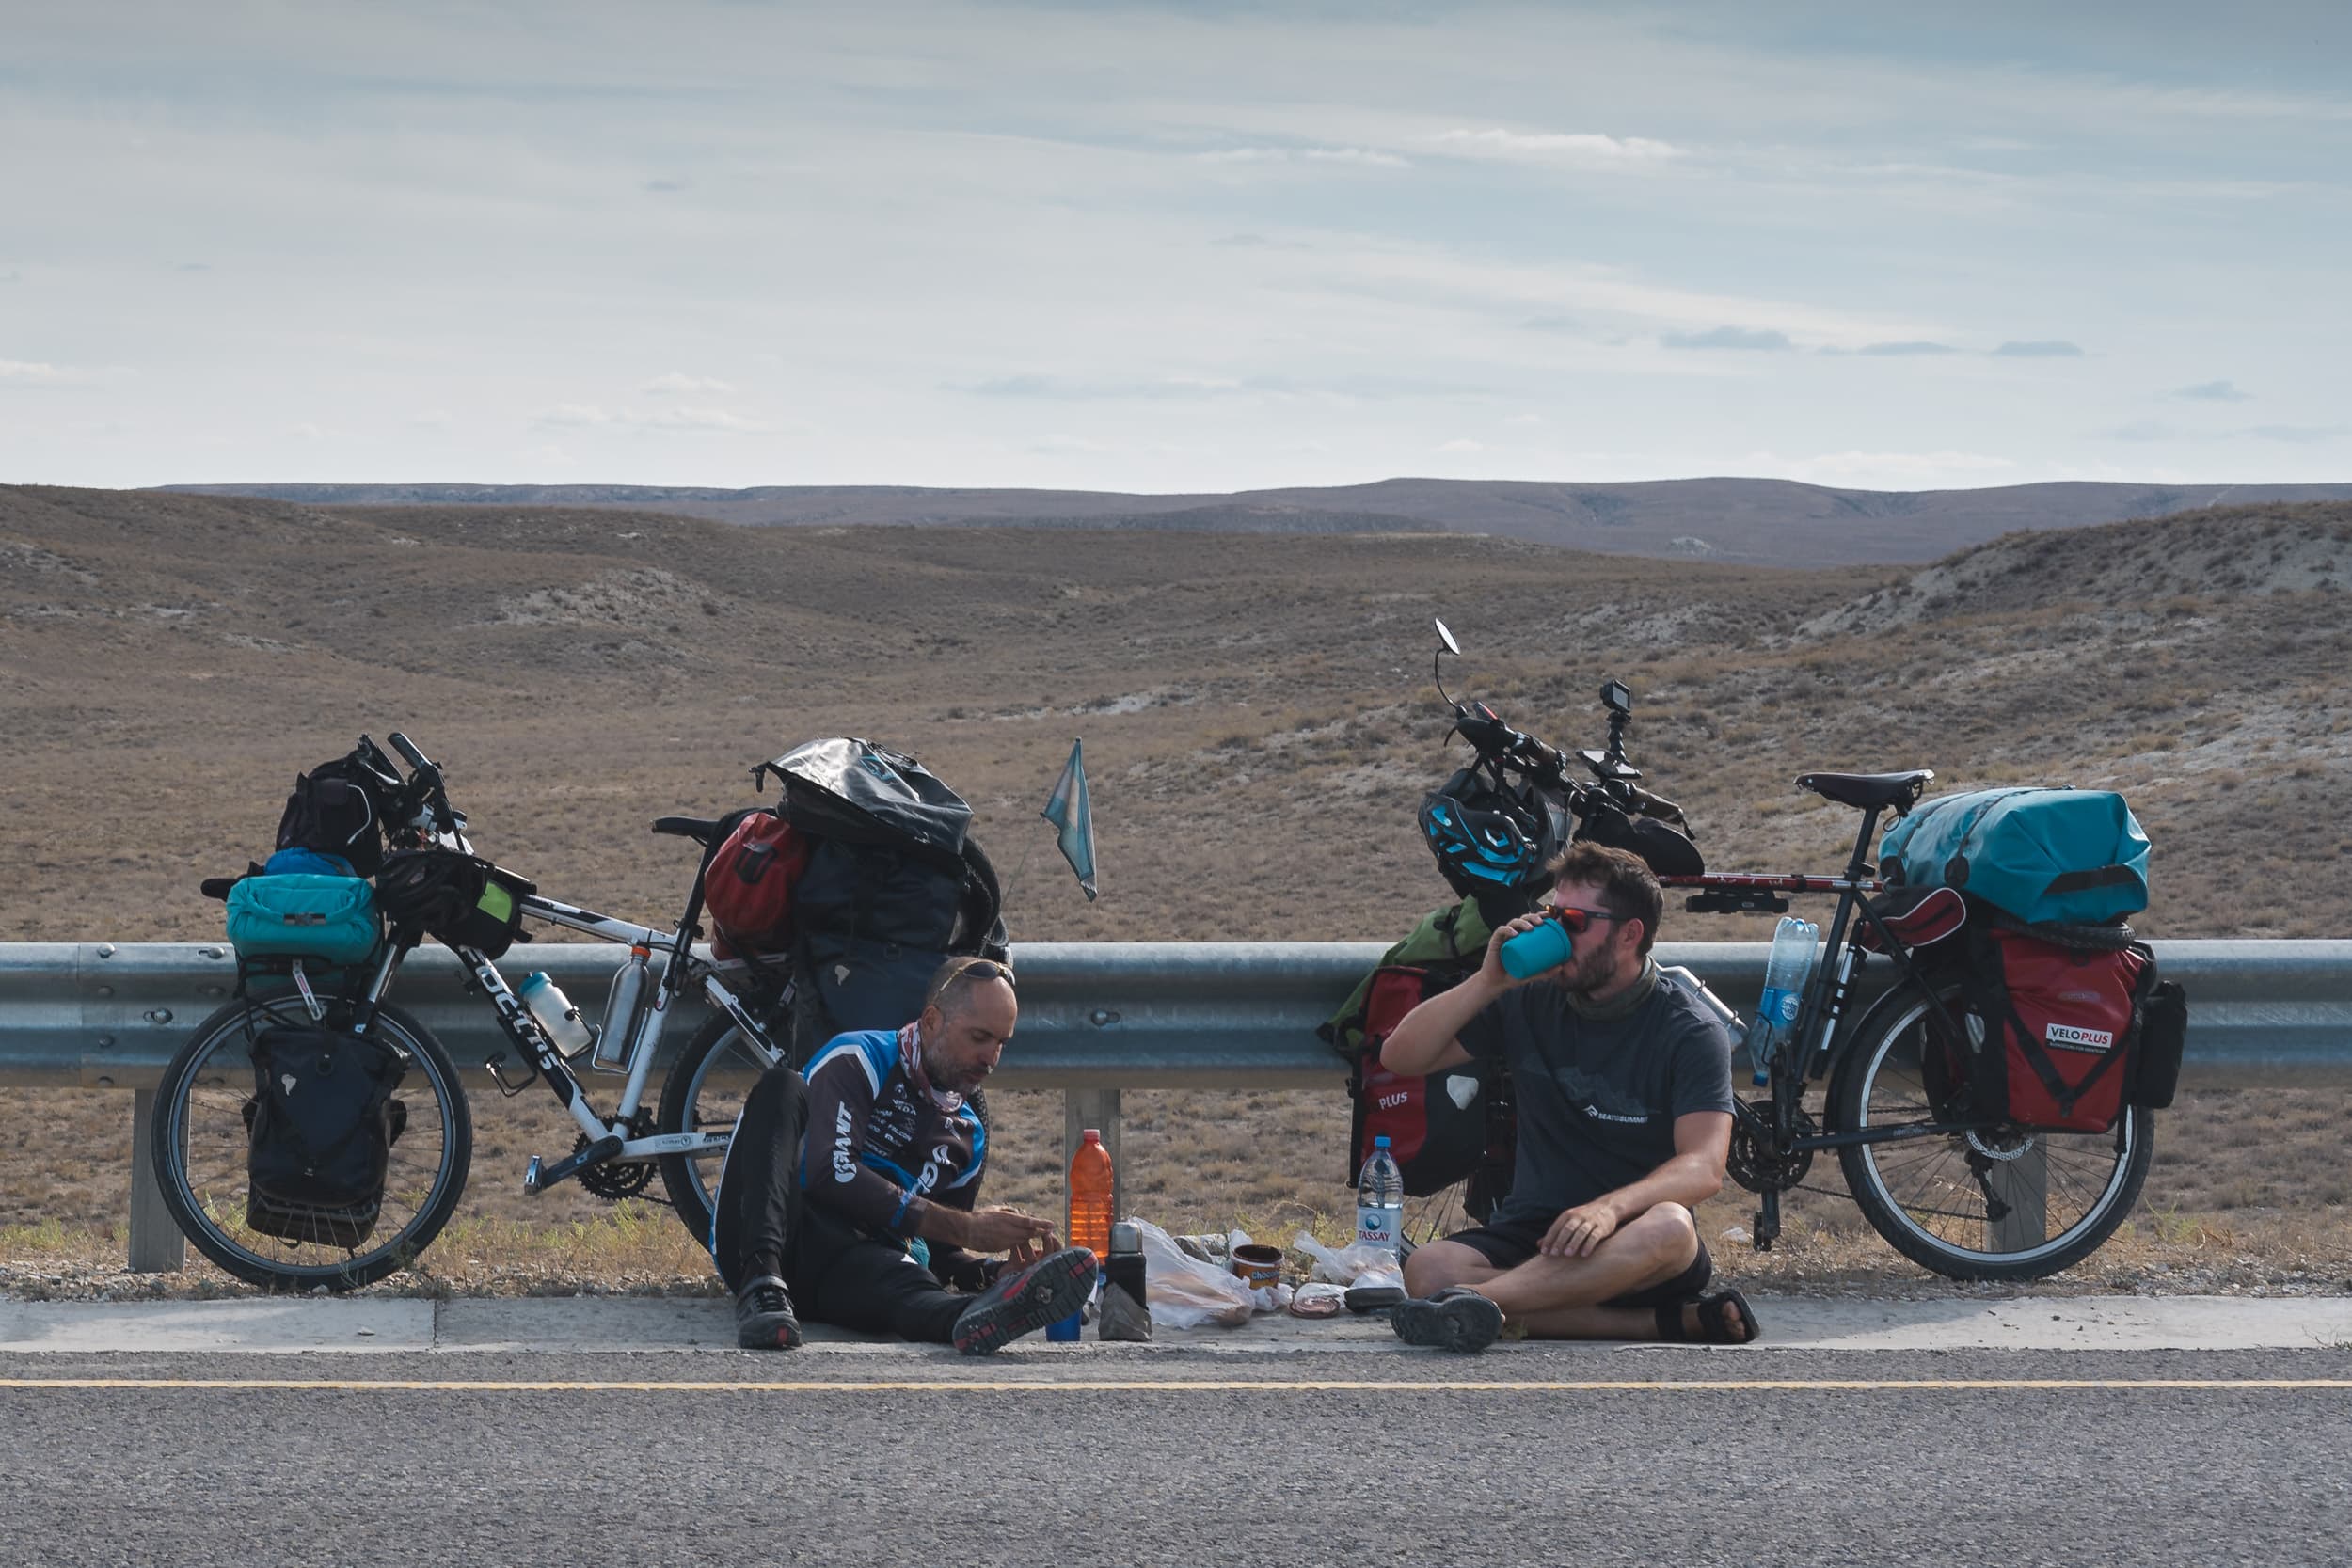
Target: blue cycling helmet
[[1487, 839]]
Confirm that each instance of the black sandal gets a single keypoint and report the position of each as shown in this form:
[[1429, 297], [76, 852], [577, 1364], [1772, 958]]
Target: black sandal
[[1716, 1326]]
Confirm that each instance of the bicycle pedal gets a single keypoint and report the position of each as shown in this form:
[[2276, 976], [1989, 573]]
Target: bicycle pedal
[[538, 1178]]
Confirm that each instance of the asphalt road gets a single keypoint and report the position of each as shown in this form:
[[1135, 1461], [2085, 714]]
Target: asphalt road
[[1938, 1457]]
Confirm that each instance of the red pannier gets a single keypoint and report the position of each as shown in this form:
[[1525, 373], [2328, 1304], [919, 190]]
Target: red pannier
[[748, 885], [2052, 1030], [1450, 1126]]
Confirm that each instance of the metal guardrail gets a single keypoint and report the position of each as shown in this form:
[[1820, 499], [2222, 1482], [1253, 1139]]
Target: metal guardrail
[[1095, 1017]]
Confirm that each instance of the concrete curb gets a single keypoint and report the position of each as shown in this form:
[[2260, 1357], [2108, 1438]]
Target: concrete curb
[[609, 1326]]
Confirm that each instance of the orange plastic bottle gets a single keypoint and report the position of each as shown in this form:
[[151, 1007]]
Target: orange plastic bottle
[[1090, 1195]]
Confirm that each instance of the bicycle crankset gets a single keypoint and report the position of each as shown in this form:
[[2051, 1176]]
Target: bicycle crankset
[[1759, 1166], [615, 1180]]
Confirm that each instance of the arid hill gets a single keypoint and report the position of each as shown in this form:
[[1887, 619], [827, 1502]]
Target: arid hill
[[1771, 521], [1257, 709]]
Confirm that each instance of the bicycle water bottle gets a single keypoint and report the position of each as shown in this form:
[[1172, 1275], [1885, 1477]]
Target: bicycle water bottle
[[1090, 1197], [555, 1013], [1536, 949], [1785, 976], [1379, 1199], [621, 1007]]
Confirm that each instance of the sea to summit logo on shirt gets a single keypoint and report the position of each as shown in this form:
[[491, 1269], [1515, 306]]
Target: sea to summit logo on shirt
[[2072, 1038]]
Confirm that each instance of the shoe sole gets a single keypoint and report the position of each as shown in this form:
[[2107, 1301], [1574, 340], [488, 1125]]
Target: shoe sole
[[1465, 1324], [1053, 1291], [769, 1331]]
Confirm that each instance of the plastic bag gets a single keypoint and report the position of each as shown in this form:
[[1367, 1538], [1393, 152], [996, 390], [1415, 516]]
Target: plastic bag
[[1186, 1292], [1358, 1264]]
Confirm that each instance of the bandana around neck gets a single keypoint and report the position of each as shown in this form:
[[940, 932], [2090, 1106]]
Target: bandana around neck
[[910, 1057], [1618, 1006]]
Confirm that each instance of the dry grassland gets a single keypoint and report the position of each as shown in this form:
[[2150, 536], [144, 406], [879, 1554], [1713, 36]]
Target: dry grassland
[[1259, 723]]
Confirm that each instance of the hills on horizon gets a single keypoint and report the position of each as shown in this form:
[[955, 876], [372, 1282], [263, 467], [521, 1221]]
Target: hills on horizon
[[1779, 522]]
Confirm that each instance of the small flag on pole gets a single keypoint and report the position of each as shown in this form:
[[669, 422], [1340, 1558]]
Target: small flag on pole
[[1069, 810]]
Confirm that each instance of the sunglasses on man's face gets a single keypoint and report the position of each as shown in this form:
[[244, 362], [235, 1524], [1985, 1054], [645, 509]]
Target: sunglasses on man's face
[[1575, 919]]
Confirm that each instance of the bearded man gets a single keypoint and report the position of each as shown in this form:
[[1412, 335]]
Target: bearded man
[[1623, 1086]]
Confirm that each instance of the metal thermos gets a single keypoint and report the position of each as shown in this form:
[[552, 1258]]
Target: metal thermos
[[1126, 1311]]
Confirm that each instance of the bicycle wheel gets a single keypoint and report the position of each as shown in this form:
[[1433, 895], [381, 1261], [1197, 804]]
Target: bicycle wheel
[[704, 1093], [1934, 1198], [200, 1142]]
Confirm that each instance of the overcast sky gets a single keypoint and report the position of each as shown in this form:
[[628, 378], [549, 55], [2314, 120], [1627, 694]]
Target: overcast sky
[[1174, 248]]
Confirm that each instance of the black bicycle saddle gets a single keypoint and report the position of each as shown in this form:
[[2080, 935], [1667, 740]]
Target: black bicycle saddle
[[1871, 791]]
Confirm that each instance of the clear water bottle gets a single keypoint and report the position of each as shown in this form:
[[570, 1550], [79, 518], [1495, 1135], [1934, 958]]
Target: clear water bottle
[[1786, 972], [621, 1006], [1379, 1199], [556, 1014]]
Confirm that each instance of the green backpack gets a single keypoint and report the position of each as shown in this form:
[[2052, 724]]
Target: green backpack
[[1451, 934]]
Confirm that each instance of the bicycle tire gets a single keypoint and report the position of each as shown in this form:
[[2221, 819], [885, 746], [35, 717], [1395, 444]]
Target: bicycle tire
[[705, 1089], [1902, 1187], [198, 1141], [2093, 938]]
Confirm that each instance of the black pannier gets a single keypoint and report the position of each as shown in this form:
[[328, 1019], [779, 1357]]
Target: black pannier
[[894, 885], [459, 900], [321, 1125], [2163, 1039]]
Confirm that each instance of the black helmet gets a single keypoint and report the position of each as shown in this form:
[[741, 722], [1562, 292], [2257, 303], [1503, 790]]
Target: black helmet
[[1487, 838]]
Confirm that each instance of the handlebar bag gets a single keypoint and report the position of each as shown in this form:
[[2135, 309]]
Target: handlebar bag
[[320, 1130], [2076, 856], [459, 900], [2051, 1029], [748, 885], [295, 915]]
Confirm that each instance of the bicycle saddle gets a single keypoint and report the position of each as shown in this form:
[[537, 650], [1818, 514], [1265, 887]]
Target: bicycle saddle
[[1871, 791], [699, 829]]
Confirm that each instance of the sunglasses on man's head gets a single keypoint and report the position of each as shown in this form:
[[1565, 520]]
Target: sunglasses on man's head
[[980, 970], [1575, 919]]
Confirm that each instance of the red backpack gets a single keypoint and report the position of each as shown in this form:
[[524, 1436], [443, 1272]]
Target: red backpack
[[748, 885], [2052, 1030], [1450, 1126]]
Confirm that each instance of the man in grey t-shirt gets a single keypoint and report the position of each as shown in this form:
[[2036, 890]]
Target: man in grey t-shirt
[[1623, 1084]]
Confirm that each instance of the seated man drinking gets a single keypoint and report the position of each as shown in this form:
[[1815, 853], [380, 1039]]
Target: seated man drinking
[[1623, 1084], [853, 1187]]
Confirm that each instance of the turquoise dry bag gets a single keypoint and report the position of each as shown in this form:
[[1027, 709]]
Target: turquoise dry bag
[[2039, 855], [330, 919]]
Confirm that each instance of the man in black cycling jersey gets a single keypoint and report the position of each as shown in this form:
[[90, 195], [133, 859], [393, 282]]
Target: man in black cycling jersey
[[854, 1187]]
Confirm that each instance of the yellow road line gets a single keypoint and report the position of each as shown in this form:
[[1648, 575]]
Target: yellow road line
[[1204, 1385]]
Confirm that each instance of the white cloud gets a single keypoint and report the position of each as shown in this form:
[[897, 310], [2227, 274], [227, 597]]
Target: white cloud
[[36, 373], [1364, 156], [1587, 148], [1460, 444], [686, 417], [678, 381], [574, 415], [2214, 391], [681, 417]]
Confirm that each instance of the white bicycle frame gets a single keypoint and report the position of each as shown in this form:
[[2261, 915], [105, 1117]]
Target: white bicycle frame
[[540, 1049]]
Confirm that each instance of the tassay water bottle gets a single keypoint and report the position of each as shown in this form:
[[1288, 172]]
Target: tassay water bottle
[[1379, 1199], [1785, 976]]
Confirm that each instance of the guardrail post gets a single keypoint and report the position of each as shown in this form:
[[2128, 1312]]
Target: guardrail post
[[1098, 1109], [156, 1245], [2024, 1184]]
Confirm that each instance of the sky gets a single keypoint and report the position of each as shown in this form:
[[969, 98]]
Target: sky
[[1176, 247]]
